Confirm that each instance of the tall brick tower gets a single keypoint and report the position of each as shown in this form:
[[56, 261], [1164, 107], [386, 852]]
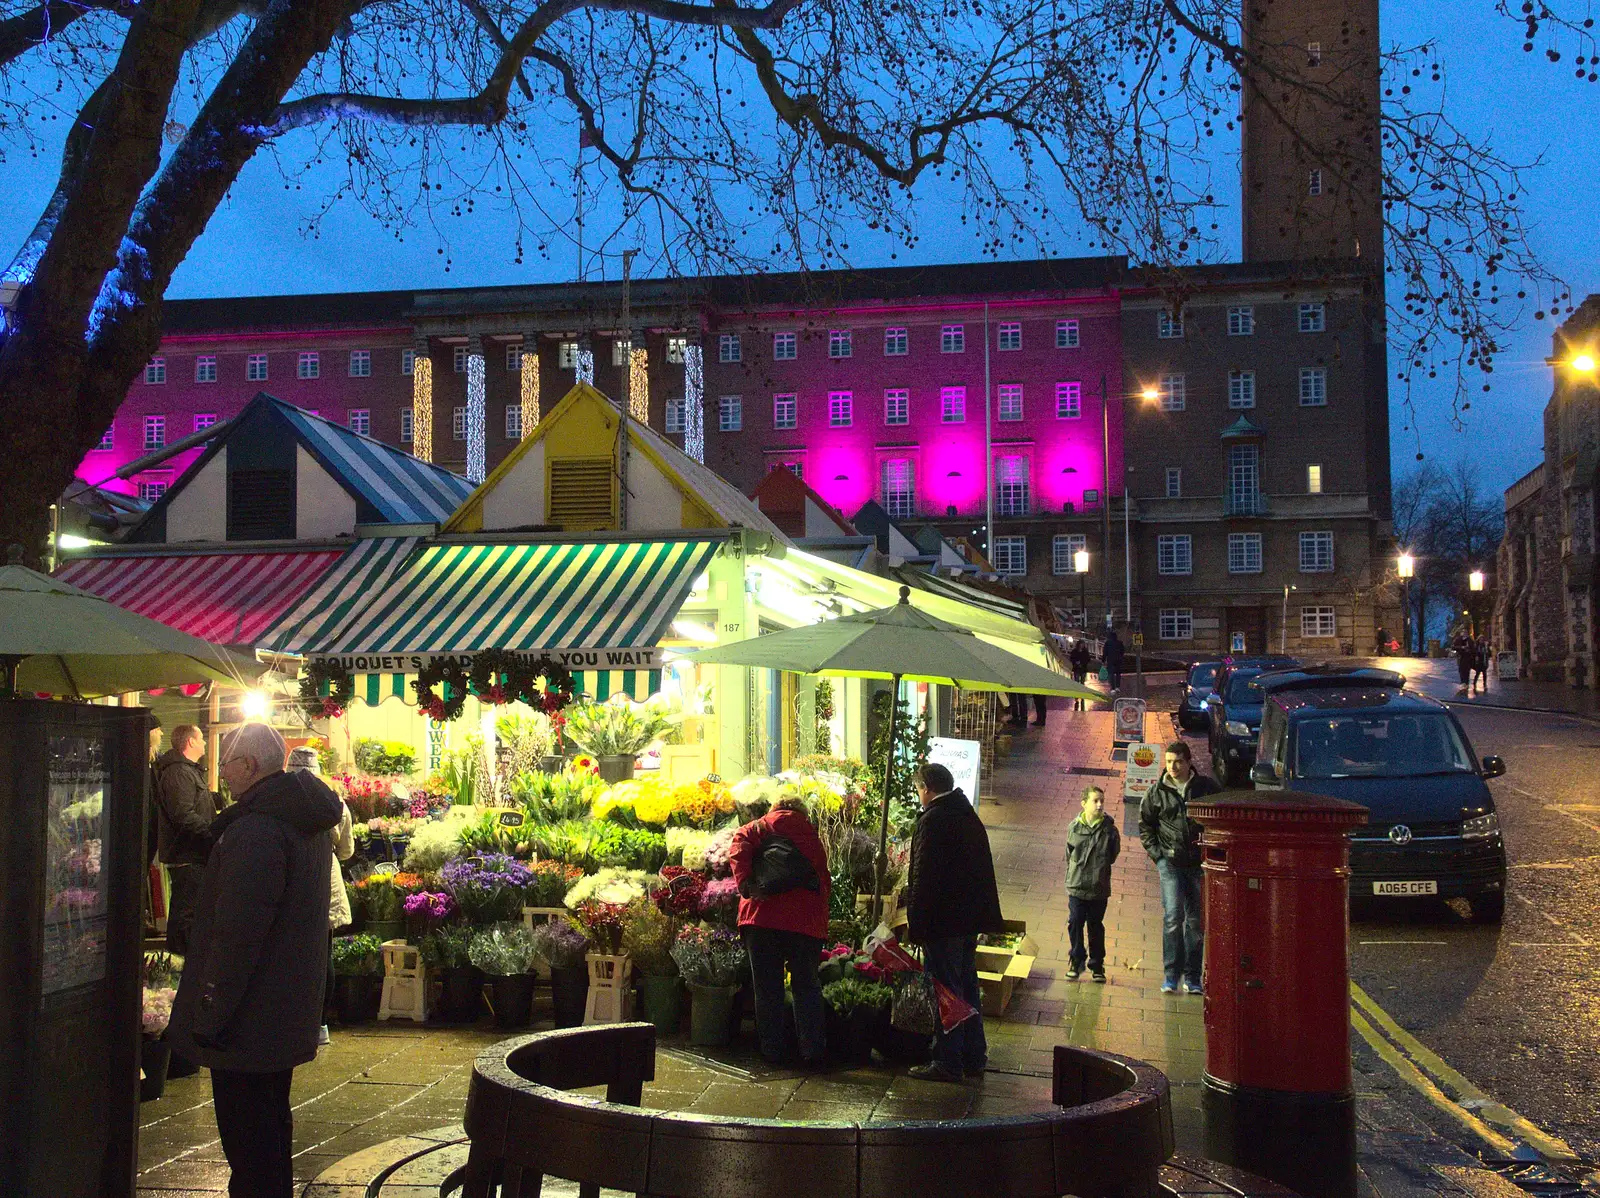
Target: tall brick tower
[[1312, 169]]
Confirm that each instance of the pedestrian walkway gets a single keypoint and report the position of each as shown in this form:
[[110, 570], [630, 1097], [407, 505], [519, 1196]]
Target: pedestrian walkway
[[1439, 678]]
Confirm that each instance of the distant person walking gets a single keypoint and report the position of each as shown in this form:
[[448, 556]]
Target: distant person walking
[[250, 1000], [184, 811], [1093, 843], [1480, 663], [1041, 704], [1111, 655], [953, 899], [1466, 651], [1081, 660], [1172, 840]]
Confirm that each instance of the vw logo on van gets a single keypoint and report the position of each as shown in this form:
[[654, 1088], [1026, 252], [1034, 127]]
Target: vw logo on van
[[1400, 834]]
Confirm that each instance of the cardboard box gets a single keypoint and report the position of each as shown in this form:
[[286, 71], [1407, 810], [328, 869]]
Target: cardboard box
[[1000, 969]]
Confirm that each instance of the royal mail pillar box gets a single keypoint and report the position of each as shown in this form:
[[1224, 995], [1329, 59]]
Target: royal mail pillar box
[[72, 788], [1277, 1091]]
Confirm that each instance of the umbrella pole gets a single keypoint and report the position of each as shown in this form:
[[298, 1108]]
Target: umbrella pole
[[883, 826]]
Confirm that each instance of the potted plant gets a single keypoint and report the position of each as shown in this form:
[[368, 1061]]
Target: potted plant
[[616, 732], [505, 954], [446, 954], [161, 971], [711, 961], [154, 1051], [563, 948], [379, 901], [488, 888], [647, 937], [384, 758], [854, 1008], [610, 971], [425, 910], [357, 977]]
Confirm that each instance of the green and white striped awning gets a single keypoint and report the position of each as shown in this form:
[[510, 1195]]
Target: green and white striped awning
[[373, 689]]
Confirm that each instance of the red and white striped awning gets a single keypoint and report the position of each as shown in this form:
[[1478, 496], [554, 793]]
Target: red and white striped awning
[[226, 598]]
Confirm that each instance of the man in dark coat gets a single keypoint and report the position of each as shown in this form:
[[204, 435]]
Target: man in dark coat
[[953, 899], [1111, 655], [1466, 651], [184, 811], [1173, 841], [250, 1000]]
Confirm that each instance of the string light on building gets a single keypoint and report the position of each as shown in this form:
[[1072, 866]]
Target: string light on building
[[422, 404], [530, 383], [586, 365], [694, 403], [477, 417], [639, 385]]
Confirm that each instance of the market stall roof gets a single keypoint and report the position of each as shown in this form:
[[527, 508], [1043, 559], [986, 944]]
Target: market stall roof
[[464, 597], [365, 570], [951, 588], [222, 596]]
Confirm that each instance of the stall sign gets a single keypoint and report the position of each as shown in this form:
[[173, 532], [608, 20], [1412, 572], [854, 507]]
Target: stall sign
[[962, 758], [1129, 721], [1143, 770]]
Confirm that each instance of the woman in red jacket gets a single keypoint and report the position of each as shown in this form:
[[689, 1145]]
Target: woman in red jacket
[[782, 872]]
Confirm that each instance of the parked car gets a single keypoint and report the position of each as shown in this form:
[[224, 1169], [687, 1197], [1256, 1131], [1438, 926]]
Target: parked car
[[1197, 684], [1432, 829], [1234, 715]]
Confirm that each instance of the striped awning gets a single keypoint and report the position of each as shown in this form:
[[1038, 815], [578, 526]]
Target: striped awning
[[365, 570], [600, 685], [227, 598], [458, 599]]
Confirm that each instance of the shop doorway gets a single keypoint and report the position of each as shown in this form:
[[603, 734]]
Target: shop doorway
[[1245, 630]]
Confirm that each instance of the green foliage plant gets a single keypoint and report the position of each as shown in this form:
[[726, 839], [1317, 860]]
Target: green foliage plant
[[357, 956], [447, 947], [385, 758], [502, 951], [911, 737], [647, 937], [850, 995]]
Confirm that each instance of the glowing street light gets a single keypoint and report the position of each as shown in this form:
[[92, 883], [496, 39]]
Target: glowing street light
[[1475, 580], [1583, 364], [254, 705], [1080, 565], [1406, 566], [1150, 395]]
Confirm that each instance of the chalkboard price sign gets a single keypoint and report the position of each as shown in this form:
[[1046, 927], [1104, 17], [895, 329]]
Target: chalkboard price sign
[[511, 819]]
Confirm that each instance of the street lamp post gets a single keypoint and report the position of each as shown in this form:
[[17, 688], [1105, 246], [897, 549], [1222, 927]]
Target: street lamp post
[[1405, 567], [1474, 586], [1080, 566], [1283, 620]]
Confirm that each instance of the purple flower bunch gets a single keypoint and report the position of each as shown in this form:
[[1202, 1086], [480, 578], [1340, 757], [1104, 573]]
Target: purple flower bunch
[[488, 888], [434, 907], [75, 898], [719, 899]]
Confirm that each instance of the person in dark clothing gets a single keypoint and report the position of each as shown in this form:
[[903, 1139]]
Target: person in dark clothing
[[1093, 843], [1466, 653], [1019, 710], [953, 899], [1041, 704], [184, 811], [250, 999], [1111, 655], [1173, 841], [1480, 663], [1081, 660], [784, 926]]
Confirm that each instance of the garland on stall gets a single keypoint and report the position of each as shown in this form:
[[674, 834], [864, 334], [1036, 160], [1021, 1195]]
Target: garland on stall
[[341, 684], [560, 687], [497, 677], [453, 680]]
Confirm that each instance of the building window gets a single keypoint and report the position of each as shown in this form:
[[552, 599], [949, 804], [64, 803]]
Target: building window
[[798, 469], [1091, 495], [899, 488], [1244, 553], [1169, 324], [1313, 479], [952, 405], [1317, 622], [1241, 322], [308, 365], [361, 421], [840, 409], [675, 348], [730, 414], [150, 492], [896, 343], [406, 426], [1314, 182], [204, 420], [675, 412], [1174, 392], [1011, 486], [1064, 551], [1010, 555], [1011, 334], [155, 370], [458, 424], [953, 339], [205, 369], [514, 358], [255, 368], [785, 347], [1066, 334], [108, 439], [360, 363], [458, 358], [1316, 552], [408, 361], [839, 345], [1313, 318], [1313, 386], [1175, 554], [897, 406], [1241, 388], [1174, 482], [1010, 401], [784, 411], [155, 432], [1313, 54], [619, 352], [567, 355], [513, 422], [1176, 624], [1069, 401], [1244, 480]]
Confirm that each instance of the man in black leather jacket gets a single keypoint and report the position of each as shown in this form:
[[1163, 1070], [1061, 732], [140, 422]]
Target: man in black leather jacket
[[184, 811], [1172, 840]]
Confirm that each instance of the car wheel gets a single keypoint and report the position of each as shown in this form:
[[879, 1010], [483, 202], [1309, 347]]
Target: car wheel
[[1490, 908], [1220, 770]]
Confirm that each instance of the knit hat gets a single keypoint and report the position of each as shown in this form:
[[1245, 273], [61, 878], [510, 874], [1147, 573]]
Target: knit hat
[[305, 758]]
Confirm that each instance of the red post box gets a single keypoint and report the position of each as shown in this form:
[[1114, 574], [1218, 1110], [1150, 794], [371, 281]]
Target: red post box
[[1277, 1090]]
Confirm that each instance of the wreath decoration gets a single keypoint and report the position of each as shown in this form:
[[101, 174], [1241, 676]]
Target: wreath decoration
[[341, 684], [499, 676], [560, 687], [452, 679]]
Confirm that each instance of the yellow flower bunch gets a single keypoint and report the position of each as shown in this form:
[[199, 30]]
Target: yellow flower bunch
[[654, 805], [702, 802]]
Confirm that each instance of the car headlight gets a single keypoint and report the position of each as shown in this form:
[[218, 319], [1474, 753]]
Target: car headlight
[[1236, 728], [1480, 826]]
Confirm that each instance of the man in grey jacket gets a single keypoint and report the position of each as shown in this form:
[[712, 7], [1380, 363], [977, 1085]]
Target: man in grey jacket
[[250, 1000]]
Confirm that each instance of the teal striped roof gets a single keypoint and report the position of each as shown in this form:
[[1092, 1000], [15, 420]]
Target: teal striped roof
[[365, 570]]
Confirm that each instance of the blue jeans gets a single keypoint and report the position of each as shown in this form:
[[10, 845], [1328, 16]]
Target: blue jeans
[[1182, 931], [953, 960], [770, 950]]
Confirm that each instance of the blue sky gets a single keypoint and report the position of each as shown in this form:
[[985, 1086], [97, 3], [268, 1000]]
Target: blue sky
[[1529, 107]]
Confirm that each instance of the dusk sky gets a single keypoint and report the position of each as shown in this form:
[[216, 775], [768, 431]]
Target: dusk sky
[[1530, 108]]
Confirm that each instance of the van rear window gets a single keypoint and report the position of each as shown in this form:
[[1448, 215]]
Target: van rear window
[[1379, 745]]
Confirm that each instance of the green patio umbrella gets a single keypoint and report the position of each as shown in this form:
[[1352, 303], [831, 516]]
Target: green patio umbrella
[[57, 639], [899, 642]]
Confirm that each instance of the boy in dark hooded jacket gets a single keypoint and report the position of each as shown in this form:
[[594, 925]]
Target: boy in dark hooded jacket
[[1093, 843]]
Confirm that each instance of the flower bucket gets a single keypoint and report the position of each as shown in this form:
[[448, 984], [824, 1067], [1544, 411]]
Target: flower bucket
[[850, 1036], [388, 929], [356, 996], [617, 769], [513, 1000], [710, 1015], [663, 1002], [905, 1048], [154, 1055], [552, 764], [461, 995], [569, 993]]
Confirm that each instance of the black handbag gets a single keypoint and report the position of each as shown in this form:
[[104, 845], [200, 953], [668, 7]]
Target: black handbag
[[780, 866]]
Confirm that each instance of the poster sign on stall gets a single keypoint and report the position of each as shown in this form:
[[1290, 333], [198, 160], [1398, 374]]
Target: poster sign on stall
[[1142, 772], [1129, 721], [962, 758]]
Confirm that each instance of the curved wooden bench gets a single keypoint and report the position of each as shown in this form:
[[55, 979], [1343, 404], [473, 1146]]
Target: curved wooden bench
[[1108, 1138]]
